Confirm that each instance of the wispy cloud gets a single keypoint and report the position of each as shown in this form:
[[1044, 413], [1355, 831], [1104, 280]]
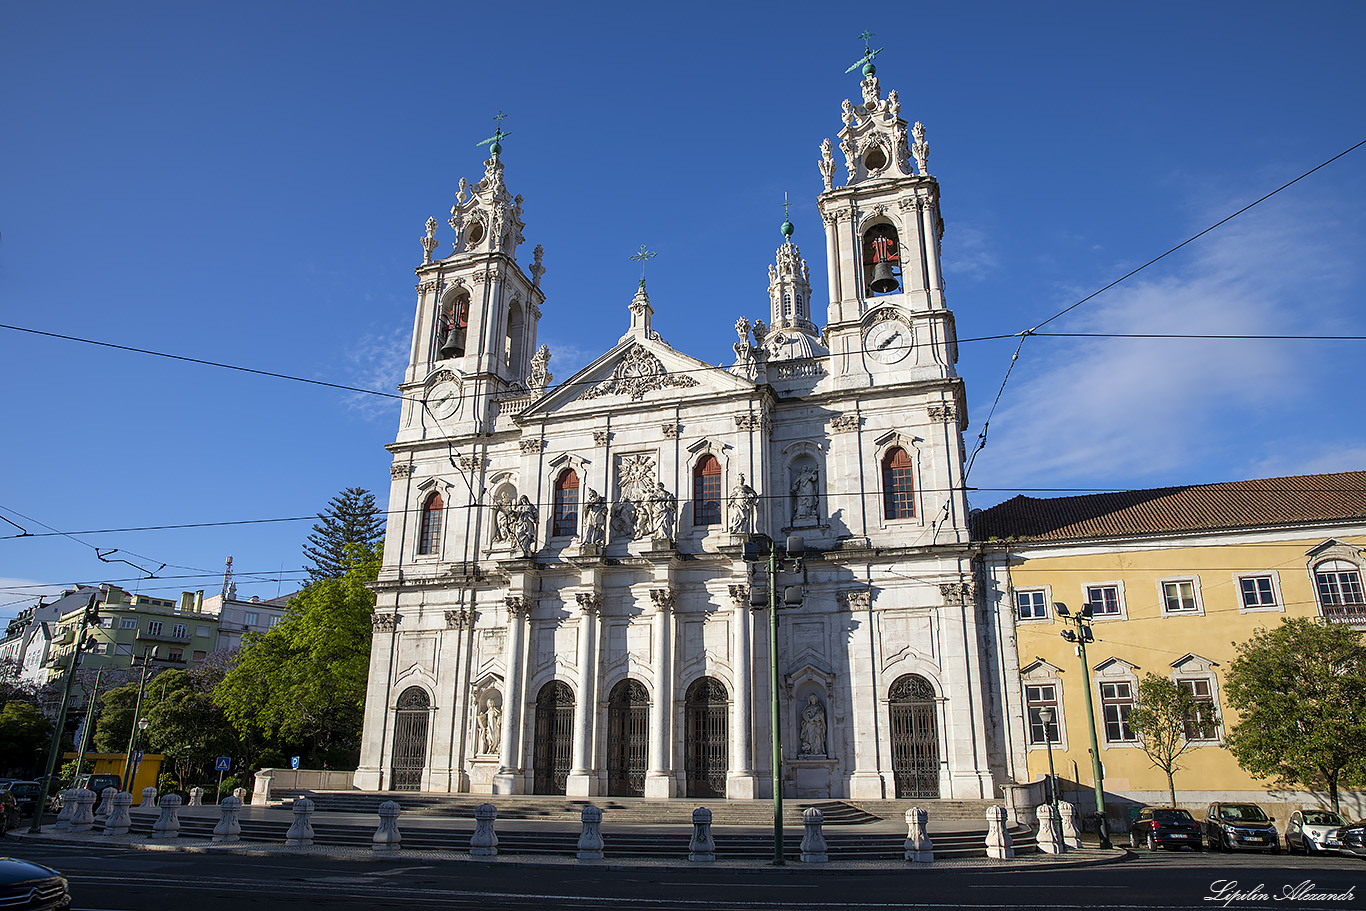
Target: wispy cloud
[[971, 255], [376, 360], [1130, 411]]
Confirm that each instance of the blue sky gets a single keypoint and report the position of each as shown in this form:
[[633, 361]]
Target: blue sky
[[248, 182]]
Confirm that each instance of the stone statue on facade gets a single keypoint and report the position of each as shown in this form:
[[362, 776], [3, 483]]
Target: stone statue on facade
[[804, 488], [488, 727], [663, 513], [594, 519], [813, 727], [525, 526], [743, 500], [504, 517], [540, 376]]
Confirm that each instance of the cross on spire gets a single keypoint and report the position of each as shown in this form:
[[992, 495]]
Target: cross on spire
[[641, 258], [498, 135], [866, 60]]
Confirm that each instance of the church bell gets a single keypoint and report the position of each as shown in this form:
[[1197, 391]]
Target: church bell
[[883, 280], [452, 346]]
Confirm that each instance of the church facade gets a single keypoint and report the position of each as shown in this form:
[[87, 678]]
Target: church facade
[[565, 605]]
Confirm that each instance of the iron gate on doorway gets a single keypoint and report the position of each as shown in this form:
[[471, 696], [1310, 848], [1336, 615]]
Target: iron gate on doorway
[[628, 740], [554, 738], [410, 740], [915, 737], [707, 733]]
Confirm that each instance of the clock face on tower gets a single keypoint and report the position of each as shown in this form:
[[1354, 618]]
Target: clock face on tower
[[444, 399], [888, 342]]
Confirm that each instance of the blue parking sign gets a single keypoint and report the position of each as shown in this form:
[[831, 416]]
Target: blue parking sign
[[223, 764], [294, 762]]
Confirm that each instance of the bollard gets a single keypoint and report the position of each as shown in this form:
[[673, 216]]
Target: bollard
[[196, 797], [300, 834], [228, 828], [814, 850], [106, 802], [167, 824], [590, 839], [387, 839], [701, 850], [919, 848], [239, 793], [83, 815], [1071, 837], [119, 821], [149, 797], [68, 806], [484, 841], [999, 845], [1050, 831]]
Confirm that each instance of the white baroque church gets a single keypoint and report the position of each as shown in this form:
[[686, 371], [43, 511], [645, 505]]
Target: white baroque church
[[564, 607]]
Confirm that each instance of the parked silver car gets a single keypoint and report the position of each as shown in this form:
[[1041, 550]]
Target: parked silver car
[[1312, 831]]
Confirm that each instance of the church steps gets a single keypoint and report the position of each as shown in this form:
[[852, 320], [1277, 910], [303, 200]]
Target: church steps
[[639, 810]]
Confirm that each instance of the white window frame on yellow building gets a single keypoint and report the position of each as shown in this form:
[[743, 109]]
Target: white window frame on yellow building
[[1277, 607], [1191, 668], [1199, 599], [1118, 586], [1040, 673], [1115, 670], [1047, 591]]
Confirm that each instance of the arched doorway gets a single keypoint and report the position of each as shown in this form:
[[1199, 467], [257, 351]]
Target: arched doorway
[[628, 739], [554, 738], [915, 737], [706, 737], [410, 740]]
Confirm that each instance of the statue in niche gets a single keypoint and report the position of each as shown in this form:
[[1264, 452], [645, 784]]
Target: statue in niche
[[526, 526], [594, 518], [663, 512], [488, 730], [504, 512], [743, 500], [804, 488], [813, 727]]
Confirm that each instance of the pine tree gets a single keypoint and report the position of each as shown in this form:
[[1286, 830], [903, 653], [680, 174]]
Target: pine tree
[[351, 518]]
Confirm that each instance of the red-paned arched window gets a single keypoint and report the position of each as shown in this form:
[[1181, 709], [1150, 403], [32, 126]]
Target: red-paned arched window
[[429, 537], [706, 492], [898, 487], [566, 520]]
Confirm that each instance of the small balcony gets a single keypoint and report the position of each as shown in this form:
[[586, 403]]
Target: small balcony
[[1353, 615]]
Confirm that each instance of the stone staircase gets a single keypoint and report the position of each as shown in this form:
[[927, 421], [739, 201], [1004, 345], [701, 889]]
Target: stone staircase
[[966, 814], [621, 841]]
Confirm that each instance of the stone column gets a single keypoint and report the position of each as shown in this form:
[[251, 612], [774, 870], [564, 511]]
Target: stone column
[[867, 782], [376, 746], [583, 780], [659, 780], [509, 780], [740, 784], [931, 235]]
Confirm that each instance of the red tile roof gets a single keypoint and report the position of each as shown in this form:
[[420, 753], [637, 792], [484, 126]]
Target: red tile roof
[[1268, 502]]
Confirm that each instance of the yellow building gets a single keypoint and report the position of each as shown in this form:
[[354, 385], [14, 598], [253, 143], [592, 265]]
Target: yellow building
[[1173, 578]]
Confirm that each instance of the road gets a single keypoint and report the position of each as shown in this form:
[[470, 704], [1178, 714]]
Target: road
[[118, 879]]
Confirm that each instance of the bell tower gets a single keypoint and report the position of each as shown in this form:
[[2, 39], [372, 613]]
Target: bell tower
[[792, 335], [883, 232], [477, 311]]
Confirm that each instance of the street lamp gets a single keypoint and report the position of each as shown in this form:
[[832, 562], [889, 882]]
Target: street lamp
[[792, 598], [89, 617], [148, 656], [1079, 637], [1046, 718]]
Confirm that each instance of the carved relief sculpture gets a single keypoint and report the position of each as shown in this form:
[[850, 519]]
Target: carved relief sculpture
[[813, 727], [631, 517], [637, 373], [743, 500], [540, 376]]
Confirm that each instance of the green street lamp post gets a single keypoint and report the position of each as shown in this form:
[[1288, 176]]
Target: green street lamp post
[[148, 656], [1080, 636], [792, 598], [1046, 718]]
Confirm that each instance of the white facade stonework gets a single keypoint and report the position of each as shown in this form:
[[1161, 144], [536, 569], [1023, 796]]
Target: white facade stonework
[[512, 656]]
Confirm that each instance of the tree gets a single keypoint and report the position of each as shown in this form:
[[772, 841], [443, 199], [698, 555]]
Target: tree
[[24, 733], [1165, 714], [1300, 692], [351, 518], [302, 683], [188, 727]]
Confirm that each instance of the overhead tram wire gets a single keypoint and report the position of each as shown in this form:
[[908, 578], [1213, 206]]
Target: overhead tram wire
[[982, 438]]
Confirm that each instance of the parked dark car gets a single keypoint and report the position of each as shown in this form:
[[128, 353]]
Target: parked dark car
[[1240, 827], [97, 783], [27, 795], [1312, 831], [1352, 839], [9, 816], [1159, 827], [31, 886]]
